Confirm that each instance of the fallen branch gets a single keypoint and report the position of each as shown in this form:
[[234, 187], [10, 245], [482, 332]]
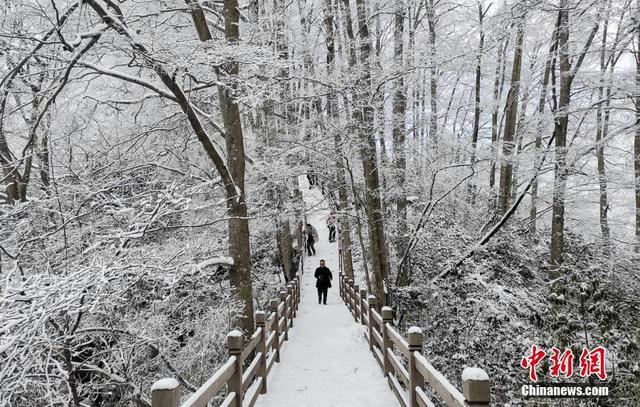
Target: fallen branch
[[502, 221]]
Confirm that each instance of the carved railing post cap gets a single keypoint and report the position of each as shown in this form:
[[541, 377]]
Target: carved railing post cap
[[274, 303], [165, 384], [234, 339], [415, 338], [387, 313], [371, 299], [260, 317], [476, 386]]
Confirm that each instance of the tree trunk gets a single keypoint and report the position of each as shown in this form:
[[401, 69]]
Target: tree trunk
[[497, 95], [560, 132], [433, 79], [567, 74], [601, 130], [476, 115], [332, 111], [399, 116], [368, 151], [239, 243], [533, 212], [636, 147], [506, 169]]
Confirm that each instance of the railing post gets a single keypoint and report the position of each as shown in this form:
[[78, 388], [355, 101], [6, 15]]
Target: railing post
[[349, 296], [415, 340], [261, 323], [476, 387], [371, 300], [356, 302], [387, 318], [292, 305], [165, 393], [276, 328], [285, 312], [363, 302], [298, 293], [234, 348]]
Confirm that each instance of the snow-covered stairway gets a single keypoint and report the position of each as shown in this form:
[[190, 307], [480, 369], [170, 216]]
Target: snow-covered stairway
[[345, 353], [327, 362]]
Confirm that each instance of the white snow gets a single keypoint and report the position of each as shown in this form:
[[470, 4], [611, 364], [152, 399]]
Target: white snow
[[234, 333], [326, 361], [215, 261], [165, 384], [415, 330], [474, 373]]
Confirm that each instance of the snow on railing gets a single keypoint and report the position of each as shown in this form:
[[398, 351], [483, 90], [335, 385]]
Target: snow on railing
[[408, 381], [244, 385]]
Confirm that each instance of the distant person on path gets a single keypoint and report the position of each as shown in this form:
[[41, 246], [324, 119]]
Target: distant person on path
[[323, 282], [312, 178], [312, 238], [331, 224]]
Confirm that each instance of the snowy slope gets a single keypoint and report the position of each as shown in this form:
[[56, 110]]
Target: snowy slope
[[326, 362]]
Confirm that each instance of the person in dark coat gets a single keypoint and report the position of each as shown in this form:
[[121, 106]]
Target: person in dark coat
[[312, 238], [323, 282]]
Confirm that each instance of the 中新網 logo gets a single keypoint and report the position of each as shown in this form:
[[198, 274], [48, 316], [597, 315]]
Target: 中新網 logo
[[591, 362]]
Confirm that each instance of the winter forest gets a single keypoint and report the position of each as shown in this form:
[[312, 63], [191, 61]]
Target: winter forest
[[482, 158]]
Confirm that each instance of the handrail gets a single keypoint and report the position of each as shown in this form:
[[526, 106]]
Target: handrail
[[408, 381], [251, 345], [243, 385], [398, 340], [205, 393]]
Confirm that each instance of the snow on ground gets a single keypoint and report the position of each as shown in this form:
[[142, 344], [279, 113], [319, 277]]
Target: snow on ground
[[326, 362]]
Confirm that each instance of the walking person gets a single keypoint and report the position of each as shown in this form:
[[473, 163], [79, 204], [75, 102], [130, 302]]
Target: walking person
[[312, 238], [323, 282], [312, 178], [331, 224]]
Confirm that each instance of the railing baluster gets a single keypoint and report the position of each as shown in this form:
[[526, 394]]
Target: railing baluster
[[356, 302], [273, 305], [415, 341], [349, 295], [261, 323], [387, 318], [234, 348], [363, 299], [292, 306], [371, 300], [285, 312]]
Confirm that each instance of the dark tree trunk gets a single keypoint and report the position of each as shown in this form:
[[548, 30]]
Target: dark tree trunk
[[332, 111], [506, 169], [368, 151], [400, 162]]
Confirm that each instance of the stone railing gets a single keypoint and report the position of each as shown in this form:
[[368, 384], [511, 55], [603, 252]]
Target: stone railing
[[258, 354], [409, 381]]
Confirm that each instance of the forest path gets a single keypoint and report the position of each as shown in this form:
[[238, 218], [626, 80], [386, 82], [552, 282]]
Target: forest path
[[326, 362]]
